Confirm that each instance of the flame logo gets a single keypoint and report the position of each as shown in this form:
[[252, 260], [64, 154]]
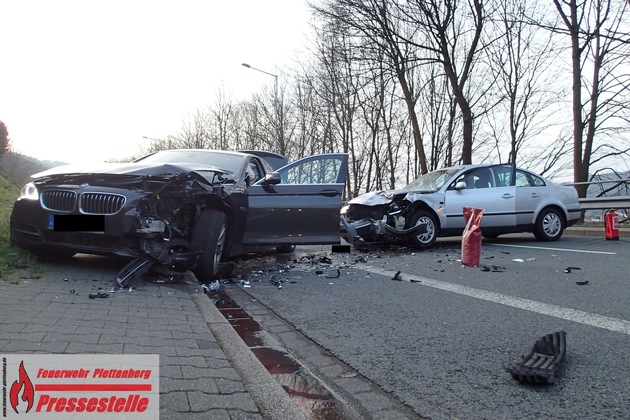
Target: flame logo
[[25, 385]]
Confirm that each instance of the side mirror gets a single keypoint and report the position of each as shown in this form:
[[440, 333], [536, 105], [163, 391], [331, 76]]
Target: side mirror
[[272, 178], [461, 185]]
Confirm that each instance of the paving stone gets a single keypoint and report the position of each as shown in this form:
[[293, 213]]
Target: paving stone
[[200, 401]]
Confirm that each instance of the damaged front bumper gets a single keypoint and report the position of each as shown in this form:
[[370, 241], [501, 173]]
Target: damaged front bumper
[[371, 231]]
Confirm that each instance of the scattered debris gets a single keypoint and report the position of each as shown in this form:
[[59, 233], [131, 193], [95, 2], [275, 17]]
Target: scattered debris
[[325, 260], [397, 276], [519, 260], [100, 294], [349, 375], [333, 274], [543, 361], [211, 288], [493, 268], [569, 269], [415, 281], [582, 283]]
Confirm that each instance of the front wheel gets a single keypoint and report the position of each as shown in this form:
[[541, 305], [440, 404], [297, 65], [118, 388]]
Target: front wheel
[[549, 225], [208, 238], [427, 239]]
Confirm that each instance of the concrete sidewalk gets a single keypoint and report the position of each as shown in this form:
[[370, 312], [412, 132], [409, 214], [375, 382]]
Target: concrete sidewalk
[[206, 371]]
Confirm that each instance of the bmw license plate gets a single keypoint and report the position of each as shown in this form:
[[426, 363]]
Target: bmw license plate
[[76, 222]]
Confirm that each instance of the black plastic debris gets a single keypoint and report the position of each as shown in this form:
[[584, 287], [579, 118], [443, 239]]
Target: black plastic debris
[[543, 361], [325, 260], [569, 269], [492, 268], [333, 274], [101, 294], [415, 281], [582, 283], [361, 260], [397, 276]]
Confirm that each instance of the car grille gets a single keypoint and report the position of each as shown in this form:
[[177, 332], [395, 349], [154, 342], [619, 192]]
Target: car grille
[[89, 203], [101, 203], [58, 200]]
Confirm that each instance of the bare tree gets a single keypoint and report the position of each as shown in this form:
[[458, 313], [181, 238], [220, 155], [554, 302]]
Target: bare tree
[[598, 32], [372, 21], [452, 33], [521, 57]]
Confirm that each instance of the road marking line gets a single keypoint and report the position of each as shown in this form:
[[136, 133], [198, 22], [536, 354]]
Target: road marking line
[[553, 249], [574, 315]]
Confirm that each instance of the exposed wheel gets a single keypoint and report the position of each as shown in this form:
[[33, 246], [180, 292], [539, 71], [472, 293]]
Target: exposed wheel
[[208, 237], [427, 239], [285, 249], [549, 225]]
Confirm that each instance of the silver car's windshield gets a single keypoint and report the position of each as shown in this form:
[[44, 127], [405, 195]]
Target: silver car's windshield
[[432, 180]]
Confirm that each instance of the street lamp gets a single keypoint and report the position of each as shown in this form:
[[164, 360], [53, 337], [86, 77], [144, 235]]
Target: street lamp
[[275, 103]]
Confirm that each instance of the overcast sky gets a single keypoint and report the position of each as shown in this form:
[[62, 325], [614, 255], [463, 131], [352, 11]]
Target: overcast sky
[[87, 80]]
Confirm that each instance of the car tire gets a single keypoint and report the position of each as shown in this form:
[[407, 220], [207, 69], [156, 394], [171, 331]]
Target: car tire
[[285, 249], [424, 240], [208, 238], [549, 225]]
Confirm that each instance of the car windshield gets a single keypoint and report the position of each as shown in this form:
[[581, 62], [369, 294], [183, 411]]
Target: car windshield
[[432, 180], [227, 161]]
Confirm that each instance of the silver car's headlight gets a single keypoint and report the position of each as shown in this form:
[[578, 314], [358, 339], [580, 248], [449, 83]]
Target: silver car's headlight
[[29, 192]]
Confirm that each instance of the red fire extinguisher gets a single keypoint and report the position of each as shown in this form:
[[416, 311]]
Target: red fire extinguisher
[[611, 223]]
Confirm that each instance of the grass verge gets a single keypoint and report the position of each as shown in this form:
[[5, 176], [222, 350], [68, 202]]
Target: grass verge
[[15, 263]]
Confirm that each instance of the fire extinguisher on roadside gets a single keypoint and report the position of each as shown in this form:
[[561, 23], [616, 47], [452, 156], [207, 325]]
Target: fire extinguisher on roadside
[[611, 223]]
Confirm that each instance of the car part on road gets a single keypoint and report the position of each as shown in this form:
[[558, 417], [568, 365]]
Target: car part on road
[[101, 294], [543, 361]]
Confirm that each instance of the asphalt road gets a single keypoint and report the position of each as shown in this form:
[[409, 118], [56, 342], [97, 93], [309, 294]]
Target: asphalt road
[[441, 339]]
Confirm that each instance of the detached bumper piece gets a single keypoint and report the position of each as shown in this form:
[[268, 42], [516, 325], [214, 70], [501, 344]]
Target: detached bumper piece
[[543, 361]]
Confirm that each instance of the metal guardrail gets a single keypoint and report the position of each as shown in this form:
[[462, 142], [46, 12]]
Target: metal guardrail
[[604, 203]]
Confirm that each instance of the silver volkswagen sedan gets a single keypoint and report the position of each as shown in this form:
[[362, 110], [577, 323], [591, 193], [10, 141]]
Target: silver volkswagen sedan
[[513, 200]]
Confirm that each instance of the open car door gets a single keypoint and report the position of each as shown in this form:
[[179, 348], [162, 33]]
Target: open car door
[[299, 203]]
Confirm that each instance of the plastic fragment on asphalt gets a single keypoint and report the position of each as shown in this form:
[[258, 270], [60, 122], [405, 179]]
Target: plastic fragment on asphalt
[[333, 274], [519, 260], [582, 283], [99, 295], [569, 269], [543, 361], [397, 276]]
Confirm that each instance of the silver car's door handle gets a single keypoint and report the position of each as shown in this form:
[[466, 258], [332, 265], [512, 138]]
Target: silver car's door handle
[[535, 195], [507, 195]]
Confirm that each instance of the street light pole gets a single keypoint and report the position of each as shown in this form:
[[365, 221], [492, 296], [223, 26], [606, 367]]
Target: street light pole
[[275, 104]]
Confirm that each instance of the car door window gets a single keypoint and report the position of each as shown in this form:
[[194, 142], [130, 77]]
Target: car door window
[[522, 180], [316, 170]]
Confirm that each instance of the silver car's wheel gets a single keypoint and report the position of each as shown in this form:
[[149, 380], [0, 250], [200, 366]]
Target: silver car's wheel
[[208, 238], [427, 239], [549, 226]]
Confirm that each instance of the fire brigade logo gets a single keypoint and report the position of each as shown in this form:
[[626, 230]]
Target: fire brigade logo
[[22, 389], [60, 386]]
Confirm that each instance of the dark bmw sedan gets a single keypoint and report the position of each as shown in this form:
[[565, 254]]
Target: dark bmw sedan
[[186, 209]]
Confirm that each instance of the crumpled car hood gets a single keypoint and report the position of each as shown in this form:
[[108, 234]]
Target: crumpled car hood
[[132, 169], [376, 198]]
